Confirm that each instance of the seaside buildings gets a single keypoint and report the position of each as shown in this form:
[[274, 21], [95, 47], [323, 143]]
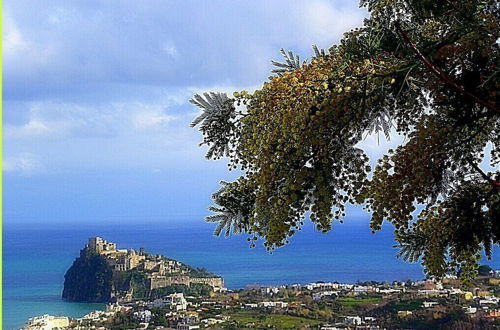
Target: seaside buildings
[[47, 322], [316, 305]]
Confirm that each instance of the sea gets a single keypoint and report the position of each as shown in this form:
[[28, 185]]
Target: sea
[[36, 257]]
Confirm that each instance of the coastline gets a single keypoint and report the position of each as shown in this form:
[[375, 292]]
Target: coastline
[[318, 305], [36, 258]]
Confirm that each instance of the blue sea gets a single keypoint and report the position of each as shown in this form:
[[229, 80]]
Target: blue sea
[[36, 257]]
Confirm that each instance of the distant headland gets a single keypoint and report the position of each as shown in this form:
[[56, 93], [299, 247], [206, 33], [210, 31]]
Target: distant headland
[[104, 273]]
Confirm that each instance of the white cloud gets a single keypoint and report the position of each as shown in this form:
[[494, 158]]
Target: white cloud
[[151, 120], [51, 120], [106, 85], [24, 164], [111, 135], [48, 120], [170, 49], [83, 49], [32, 129], [13, 40], [322, 23], [22, 54]]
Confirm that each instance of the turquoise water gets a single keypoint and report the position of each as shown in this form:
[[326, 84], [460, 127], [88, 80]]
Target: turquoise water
[[37, 256]]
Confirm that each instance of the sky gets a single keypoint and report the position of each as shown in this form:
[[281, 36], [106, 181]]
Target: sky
[[96, 112]]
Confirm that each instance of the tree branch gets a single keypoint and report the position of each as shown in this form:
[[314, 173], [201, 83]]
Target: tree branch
[[492, 182], [442, 76]]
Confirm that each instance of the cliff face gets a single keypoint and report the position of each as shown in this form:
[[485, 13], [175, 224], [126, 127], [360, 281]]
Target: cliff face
[[89, 279], [104, 273]]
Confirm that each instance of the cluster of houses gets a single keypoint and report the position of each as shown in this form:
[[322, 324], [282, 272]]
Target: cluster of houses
[[186, 313], [477, 302], [353, 322]]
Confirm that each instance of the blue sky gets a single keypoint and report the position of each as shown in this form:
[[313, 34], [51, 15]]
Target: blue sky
[[96, 112]]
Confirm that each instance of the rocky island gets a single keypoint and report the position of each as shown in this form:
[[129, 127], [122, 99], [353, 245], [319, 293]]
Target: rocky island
[[104, 273]]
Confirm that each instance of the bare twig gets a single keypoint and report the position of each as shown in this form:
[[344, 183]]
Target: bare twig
[[492, 182], [442, 76]]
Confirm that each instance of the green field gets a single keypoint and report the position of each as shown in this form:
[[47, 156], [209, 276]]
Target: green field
[[257, 320], [355, 301]]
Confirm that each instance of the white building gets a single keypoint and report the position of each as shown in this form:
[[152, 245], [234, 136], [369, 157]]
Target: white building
[[333, 327], [269, 290], [429, 304], [176, 301], [360, 289], [319, 295], [143, 316], [277, 304], [47, 322], [388, 291], [470, 310], [251, 305], [182, 326], [489, 301], [354, 320]]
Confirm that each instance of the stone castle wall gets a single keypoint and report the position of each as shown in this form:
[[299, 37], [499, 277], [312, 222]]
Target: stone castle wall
[[163, 281], [215, 282]]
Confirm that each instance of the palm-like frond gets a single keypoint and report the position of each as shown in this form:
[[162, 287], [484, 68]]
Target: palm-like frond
[[226, 221], [232, 208], [216, 122], [412, 246], [212, 106], [292, 62], [319, 52], [381, 123]]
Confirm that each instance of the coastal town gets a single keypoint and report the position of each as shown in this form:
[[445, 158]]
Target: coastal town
[[426, 304]]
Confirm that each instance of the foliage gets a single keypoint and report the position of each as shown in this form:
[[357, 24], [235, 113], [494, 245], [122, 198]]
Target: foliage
[[484, 270], [194, 289], [122, 321], [272, 320], [198, 272], [131, 280], [158, 316], [139, 285], [121, 280], [292, 62], [215, 122], [426, 70], [350, 301], [449, 320], [405, 305]]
